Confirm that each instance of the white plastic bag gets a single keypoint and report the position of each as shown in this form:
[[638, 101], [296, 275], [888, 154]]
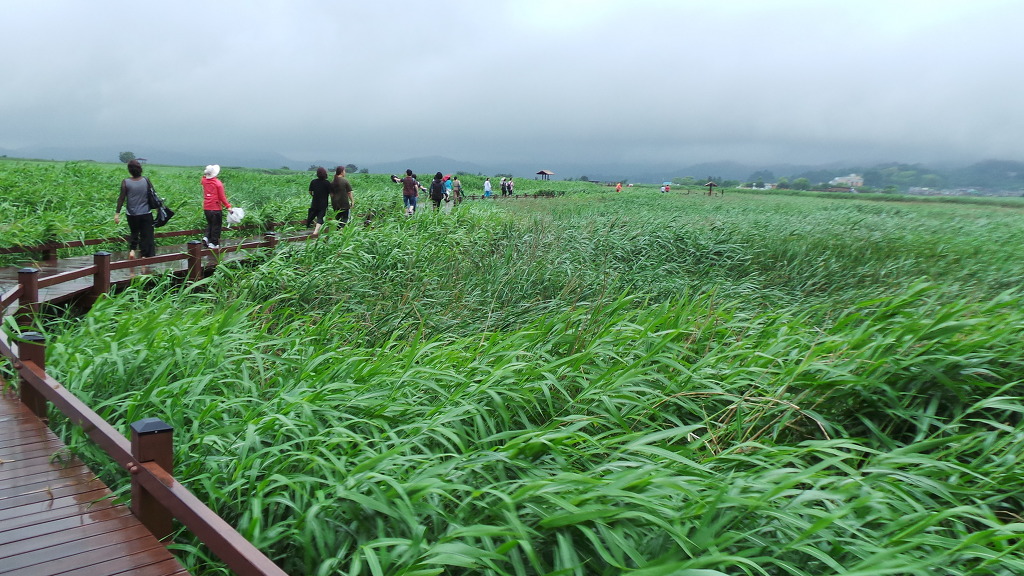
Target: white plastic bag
[[235, 215]]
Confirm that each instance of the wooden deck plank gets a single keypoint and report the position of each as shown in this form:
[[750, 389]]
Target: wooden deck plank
[[29, 455], [20, 433], [137, 564], [60, 525], [63, 511], [85, 502], [49, 535], [18, 450], [57, 517], [55, 469], [42, 481], [68, 549]]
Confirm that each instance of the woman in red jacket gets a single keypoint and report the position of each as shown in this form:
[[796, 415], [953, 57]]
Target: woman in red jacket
[[214, 202]]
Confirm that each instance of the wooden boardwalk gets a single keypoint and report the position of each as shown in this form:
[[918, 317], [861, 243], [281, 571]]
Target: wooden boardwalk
[[56, 517]]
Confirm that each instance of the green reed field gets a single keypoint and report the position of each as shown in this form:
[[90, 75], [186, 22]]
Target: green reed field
[[599, 383]]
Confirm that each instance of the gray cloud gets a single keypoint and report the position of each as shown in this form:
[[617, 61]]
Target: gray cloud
[[547, 81]]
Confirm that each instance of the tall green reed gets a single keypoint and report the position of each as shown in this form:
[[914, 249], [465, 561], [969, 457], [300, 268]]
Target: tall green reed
[[567, 388]]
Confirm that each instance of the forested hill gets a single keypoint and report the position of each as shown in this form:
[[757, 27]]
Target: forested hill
[[991, 175]]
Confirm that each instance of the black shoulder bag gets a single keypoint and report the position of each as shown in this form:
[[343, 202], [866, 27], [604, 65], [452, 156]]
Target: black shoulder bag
[[163, 213]]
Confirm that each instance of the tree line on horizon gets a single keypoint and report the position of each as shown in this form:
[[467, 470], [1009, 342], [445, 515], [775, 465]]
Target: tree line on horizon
[[991, 175]]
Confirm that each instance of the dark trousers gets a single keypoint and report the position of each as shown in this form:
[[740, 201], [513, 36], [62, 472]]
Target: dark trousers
[[214, 222], [343, 217], [316, 214], [140, 237]]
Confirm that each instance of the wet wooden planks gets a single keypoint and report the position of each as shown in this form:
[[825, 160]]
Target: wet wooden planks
[[56, 517]]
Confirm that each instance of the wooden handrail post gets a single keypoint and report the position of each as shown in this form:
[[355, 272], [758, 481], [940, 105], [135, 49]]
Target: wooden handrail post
[[271, 239], [152, 441], [100, 278], [28, 302], [32, 348], [195, 260], [49, 255]]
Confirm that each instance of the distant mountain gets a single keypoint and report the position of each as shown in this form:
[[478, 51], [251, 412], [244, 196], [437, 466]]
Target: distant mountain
[[998, 175], [993, 174], [425, 165]]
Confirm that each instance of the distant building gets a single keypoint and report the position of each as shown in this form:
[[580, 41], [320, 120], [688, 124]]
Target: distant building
[[545, 174], [853, 181]]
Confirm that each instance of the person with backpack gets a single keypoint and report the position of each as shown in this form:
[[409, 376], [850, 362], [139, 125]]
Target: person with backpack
[[437, 190], [504, 187]]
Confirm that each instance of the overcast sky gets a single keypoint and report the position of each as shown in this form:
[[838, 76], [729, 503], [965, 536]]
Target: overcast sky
[[545, 81]]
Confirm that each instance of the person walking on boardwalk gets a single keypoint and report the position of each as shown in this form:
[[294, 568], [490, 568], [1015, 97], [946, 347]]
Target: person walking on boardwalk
[[410, 191], [135, 191], [320, 194], [487, 188], [341, 196], [437, 190], [504, 187], [214, 202], [456, 190]]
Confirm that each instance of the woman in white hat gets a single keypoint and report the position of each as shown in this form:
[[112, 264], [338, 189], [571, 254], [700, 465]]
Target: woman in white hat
[[214, 202]]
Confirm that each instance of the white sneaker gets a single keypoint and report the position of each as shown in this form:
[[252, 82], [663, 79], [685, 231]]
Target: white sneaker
[[206, 241], [214, 246]]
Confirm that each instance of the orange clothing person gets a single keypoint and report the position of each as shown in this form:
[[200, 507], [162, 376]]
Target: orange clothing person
[[618, 187]]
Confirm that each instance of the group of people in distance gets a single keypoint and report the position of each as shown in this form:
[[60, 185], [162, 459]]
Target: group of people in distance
[[338, 191], [135, 197], [442, 189], [506, 186]]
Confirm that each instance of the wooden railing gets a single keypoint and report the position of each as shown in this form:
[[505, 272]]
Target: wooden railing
[[48, 252], [102, 266], [156, 497], [497, 196]]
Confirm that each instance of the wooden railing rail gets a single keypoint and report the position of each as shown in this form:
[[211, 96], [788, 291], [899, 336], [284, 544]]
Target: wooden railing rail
[[8, 298], [48, 250], [68, 276], [29, 282]]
